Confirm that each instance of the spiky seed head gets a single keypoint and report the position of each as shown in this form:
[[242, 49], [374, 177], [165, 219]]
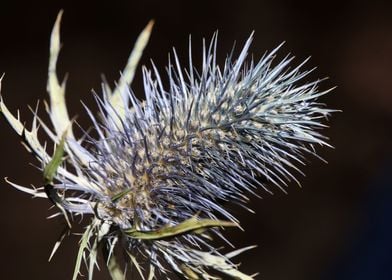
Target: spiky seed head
[[157, 179]]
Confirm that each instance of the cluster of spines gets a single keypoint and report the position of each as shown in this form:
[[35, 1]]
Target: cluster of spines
[[182, 154]]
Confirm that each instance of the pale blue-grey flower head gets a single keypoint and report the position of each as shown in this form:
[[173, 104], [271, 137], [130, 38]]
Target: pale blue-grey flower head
[[158, 175]]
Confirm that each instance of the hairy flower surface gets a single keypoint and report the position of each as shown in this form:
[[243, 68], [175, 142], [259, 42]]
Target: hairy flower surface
[[158, 175]]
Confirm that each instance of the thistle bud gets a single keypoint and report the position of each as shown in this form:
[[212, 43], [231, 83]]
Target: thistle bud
[[155, 180]]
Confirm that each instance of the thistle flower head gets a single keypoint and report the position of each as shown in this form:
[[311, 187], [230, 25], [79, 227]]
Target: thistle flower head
[[157, 176]]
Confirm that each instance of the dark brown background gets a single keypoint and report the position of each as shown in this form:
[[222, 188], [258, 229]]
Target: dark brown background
[[308, 234]]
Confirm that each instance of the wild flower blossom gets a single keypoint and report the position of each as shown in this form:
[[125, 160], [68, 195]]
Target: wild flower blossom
[[156, 178]]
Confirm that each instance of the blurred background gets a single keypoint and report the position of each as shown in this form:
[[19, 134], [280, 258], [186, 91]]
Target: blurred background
[[338, 225]]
